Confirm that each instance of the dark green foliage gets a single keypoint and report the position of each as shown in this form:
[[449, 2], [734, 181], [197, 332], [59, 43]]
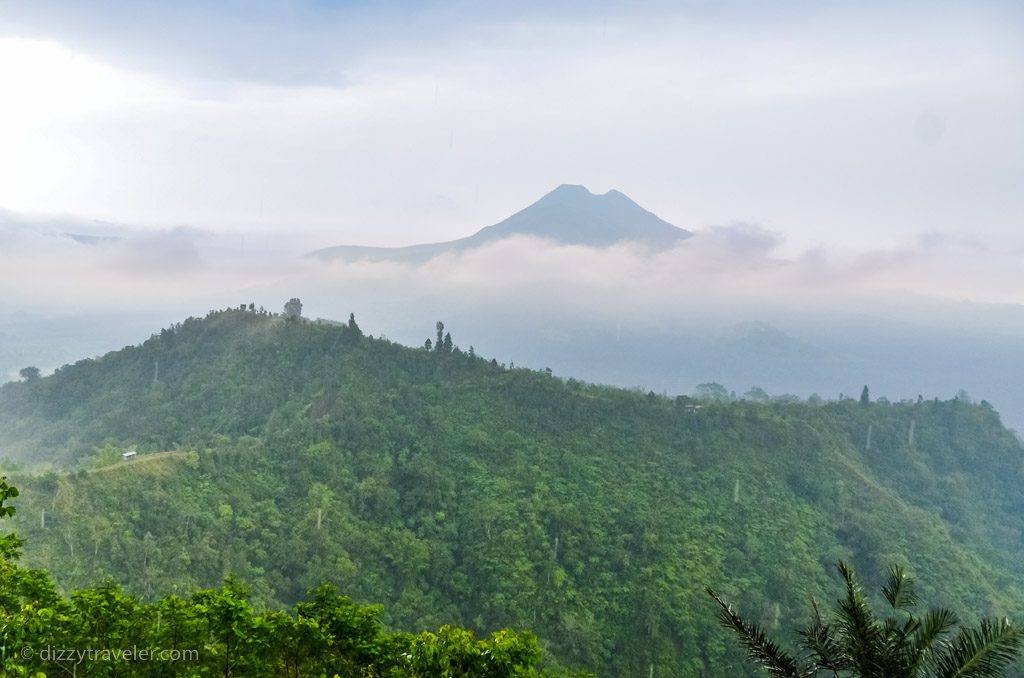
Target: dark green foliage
[[856, 643], [29, 373], [217, 632], [353, 326], [293, 308], [453, 490], [9, 544], [104, 632]]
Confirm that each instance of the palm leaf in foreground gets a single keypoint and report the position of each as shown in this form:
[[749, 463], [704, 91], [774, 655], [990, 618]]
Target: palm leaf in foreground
[[929, 631], [981, 651], [859, 632], [761, 649], [820, 641], [898, 589], [856, 643]]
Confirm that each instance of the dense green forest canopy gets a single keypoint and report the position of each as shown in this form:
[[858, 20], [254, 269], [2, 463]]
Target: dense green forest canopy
[[452, 489], [104, 632]]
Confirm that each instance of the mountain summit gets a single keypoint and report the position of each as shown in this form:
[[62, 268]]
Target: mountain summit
[[572, 214], [569, 215]]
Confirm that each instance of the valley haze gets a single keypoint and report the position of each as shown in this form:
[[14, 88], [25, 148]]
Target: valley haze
[[850, 176], [593, 286]]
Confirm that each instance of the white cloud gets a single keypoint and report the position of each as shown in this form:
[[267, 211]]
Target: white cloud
[[730, 273], [807, 118], [725, 270]]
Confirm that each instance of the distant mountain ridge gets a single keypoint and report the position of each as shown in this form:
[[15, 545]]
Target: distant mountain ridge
[[570, 215]]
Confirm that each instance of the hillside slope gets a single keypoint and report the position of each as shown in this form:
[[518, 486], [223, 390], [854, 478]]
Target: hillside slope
[[453, 489]]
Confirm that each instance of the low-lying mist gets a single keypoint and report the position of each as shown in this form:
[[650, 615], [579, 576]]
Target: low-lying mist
[[731, 305]]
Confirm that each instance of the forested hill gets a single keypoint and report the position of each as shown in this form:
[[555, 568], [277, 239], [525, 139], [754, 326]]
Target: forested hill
[[453, 489]]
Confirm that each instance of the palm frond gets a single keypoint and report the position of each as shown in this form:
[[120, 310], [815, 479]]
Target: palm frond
[[899, 589], [824, 649], [894, 657], [761, 649], [855, 642], [929, 630], [895, 633], [981, 651], [858, 631]]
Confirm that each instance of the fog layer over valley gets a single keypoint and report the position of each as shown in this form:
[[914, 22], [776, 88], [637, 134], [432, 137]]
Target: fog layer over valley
[[611, 303]]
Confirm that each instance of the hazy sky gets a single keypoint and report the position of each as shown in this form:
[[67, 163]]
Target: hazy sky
[[847, 125]]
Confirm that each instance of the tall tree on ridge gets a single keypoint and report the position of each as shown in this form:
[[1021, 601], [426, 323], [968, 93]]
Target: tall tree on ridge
[[293, 308]]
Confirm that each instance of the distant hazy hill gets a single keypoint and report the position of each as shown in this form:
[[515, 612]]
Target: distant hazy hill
[[453, 489], [569, 214]]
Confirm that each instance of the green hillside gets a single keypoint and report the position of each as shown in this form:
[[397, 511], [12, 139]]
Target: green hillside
[[455, 490]]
